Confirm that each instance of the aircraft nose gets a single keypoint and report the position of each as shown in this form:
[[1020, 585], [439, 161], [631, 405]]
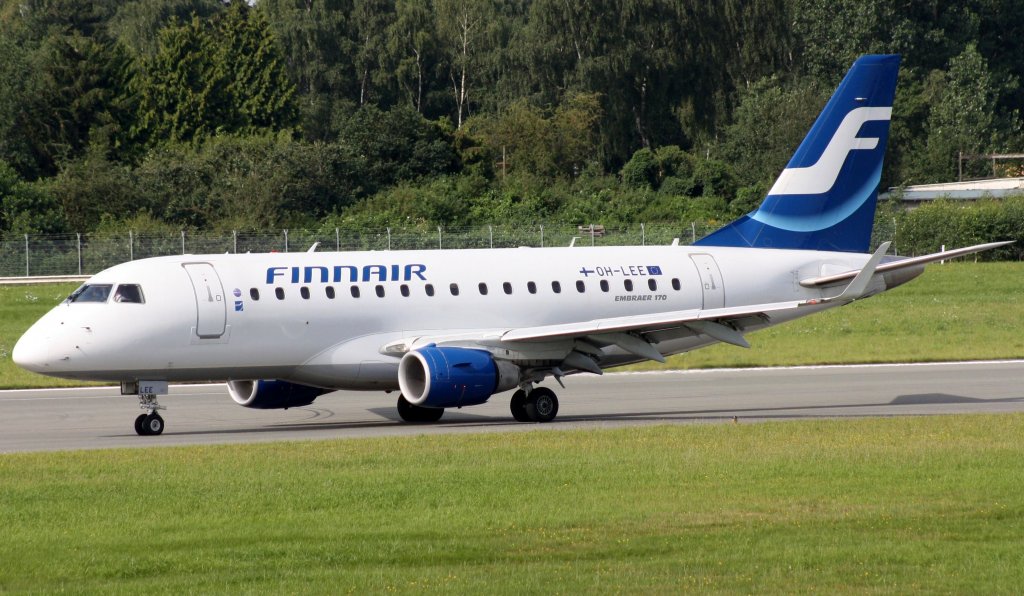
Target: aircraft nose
[[30, 352]]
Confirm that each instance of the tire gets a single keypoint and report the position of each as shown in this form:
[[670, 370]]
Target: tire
[[518, 406], [542, 405], [139, 428], [153, 424], [417, 414]]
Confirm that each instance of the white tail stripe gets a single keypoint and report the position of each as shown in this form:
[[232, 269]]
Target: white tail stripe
[[821, 177]]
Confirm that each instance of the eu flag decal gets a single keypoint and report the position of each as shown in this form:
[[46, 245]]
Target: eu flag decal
[[653, 270], [238, 306]]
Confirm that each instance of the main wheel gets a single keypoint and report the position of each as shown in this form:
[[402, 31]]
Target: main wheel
[[518, 406], [414, 413], [542, 405], [153, 424], [139, 429]]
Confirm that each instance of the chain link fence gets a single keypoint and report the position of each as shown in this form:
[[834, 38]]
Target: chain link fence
[[84, 254]]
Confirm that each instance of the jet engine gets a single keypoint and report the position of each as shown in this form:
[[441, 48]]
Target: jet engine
[[272, 395], [434, 377]]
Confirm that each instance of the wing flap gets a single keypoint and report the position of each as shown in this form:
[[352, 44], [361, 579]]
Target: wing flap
[[643, 323]]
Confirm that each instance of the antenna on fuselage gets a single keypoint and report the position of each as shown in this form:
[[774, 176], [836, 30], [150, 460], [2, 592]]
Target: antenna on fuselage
[[313, 248]]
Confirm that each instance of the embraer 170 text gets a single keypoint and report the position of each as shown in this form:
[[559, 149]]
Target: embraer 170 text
[[453, 328]]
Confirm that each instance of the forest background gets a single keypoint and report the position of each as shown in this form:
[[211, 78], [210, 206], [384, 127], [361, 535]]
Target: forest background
[[166, 115]]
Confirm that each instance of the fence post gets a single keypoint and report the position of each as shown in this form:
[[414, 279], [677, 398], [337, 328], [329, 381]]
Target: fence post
[[183, 242], [26, 256], [79, 235], [234, 241], [389, 238], [591, 234], [286, 241], [643, 235], [131, 246], [439, 237], [490, 232], [337, 240], [693, 232], [542, 235]]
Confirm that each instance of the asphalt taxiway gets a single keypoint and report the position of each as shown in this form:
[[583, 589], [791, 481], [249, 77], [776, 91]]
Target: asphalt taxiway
[[92, 418]]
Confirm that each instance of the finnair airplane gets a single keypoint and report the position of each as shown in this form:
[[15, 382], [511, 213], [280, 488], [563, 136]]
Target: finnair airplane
[[453, 328]]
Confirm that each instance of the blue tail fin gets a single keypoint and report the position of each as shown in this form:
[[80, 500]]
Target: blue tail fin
[[825, 198]]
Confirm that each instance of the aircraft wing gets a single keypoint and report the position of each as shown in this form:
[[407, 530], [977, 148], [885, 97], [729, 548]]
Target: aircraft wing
[[902, 264]]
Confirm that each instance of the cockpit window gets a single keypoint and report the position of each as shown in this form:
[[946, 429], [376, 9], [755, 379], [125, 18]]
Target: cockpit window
[[129, 293], [91, 293]]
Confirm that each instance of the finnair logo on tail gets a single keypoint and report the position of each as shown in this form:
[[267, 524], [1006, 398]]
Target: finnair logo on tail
[[821, 177]]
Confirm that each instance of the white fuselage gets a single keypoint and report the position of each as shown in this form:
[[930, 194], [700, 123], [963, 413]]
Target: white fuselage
[[260, 316]]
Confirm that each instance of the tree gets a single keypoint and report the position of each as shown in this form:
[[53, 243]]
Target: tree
[[317, 49], [962, 117], [412, 48], [461, 25], [25, 208], [218, 76]]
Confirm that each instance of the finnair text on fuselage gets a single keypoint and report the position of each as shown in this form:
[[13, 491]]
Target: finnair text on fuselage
[[350, 273]]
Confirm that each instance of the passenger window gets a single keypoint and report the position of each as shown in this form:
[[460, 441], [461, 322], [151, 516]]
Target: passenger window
[[628, 284], [330, 292], [675, 284], [507, 287], [604, 285], [380, 291], [652, 284], [405, 290], [556, 287], [531, 287], [580, 286], [483, 288], [91, 293], [254, 293], [429, 289], [304, 292], [354, 290], [130, 293], [279, 292], [454, 289]]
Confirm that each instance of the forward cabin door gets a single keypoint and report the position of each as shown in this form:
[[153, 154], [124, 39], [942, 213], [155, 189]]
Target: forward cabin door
[[211, 316], [710, 280]]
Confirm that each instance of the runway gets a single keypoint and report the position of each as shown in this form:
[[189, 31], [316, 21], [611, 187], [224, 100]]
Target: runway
[[93, 418]]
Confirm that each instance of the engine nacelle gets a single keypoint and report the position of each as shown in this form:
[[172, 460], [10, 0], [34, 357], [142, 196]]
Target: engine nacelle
[[435, 377], [272, 395]]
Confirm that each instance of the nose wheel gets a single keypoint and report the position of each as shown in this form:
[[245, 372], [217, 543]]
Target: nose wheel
[[152, 423], [149, 424]]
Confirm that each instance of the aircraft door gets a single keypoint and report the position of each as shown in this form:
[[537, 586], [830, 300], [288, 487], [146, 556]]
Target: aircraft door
[[211, 316], [710, 279]]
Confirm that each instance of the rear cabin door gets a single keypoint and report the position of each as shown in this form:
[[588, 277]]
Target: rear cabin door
[[710, 279], [211, 316]]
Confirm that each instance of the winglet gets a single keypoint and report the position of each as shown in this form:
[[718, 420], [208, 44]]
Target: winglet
[[860, 283]]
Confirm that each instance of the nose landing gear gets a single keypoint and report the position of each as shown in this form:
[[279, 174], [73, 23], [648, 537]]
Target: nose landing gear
[[151, 423]]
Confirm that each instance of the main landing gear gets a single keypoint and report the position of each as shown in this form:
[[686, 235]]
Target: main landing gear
[[151, 423], [539, 405], [413, 413]]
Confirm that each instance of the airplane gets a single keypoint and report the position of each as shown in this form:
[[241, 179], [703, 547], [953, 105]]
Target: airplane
[[453, 328]]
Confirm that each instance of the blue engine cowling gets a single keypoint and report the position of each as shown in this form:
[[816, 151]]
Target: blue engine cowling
[[435, 377], [272, 395]]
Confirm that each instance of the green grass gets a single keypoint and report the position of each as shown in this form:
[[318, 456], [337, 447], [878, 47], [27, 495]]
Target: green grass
[[926, 504], [961, 311]]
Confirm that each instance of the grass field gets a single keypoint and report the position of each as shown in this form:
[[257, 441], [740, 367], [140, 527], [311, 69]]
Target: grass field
[[901, 505], [961, 311]]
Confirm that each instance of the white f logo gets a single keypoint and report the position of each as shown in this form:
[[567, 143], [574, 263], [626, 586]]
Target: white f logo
[[819, 178]]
